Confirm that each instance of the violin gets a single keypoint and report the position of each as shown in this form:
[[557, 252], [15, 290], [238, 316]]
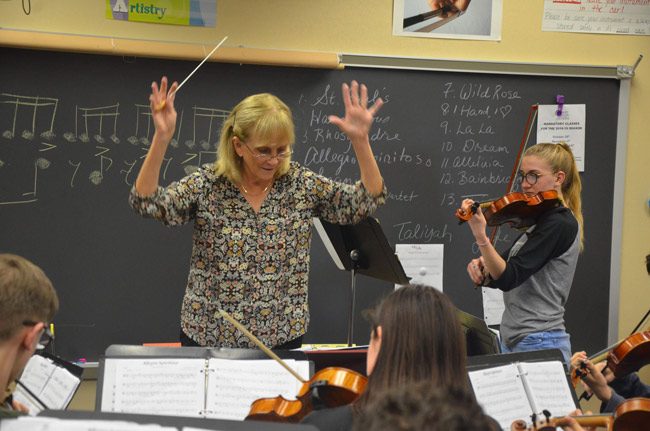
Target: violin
[[626, 357], [329, 387], [519, 210], [632, 354], [631, 415]]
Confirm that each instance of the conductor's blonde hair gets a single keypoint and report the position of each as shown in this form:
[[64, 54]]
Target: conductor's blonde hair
[[263, 116]]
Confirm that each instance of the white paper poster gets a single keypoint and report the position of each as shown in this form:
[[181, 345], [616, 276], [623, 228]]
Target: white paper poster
[[422, 262], [630, 17], [493, 306], [565, 124]]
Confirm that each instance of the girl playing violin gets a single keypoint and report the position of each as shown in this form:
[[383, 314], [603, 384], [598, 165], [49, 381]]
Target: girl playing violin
[[536, 272], [415, 338]]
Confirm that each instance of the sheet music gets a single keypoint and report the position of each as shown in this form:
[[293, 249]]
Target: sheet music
[[166, 386], [233, 385], [500, 392], [59, 390], [54, 424], [36, 373], [32, 404], [549, 387], [53, 385]]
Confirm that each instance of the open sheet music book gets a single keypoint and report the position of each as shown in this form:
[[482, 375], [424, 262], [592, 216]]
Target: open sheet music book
[[198, 387], [46, 383], [54, 424], [517, 390]]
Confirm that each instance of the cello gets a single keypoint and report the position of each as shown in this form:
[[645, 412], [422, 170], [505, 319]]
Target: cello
[[329, 387]]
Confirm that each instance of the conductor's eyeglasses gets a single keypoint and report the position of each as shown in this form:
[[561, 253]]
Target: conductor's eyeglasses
[[46, 336], [530, 177], [266, 154]]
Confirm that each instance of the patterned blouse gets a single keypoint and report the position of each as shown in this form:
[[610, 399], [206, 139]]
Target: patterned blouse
[[255, 266]]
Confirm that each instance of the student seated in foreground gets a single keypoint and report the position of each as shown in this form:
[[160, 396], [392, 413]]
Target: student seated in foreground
[[600, 381], [28, 303], [424, 407], [416, 337]]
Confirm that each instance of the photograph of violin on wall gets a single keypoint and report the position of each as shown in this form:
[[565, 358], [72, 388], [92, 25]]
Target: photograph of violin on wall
[[453, 19]]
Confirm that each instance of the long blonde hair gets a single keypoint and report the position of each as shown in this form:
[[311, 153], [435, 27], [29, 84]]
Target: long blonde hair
[[261, 115], [560, 158]]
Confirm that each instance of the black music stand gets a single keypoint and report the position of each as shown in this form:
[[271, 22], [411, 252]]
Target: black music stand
[[480, 340], [361, 248]]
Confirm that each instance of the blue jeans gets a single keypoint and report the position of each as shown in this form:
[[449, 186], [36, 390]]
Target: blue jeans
[[557, 339]]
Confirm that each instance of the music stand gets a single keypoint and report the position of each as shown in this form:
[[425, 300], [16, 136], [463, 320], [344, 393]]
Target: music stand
[[480, 340], [361, 248]]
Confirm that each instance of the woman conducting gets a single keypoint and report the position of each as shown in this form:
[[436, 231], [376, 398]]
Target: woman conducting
[[536, 273], [252, 212]]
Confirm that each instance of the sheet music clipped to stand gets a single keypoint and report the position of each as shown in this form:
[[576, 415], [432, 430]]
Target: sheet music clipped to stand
[[196, 387]]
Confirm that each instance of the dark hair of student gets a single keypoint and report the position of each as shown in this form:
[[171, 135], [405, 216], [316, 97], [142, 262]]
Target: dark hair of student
[[421, 341], [424, 407]]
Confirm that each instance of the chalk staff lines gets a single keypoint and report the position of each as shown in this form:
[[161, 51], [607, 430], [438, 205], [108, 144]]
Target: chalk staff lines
[[95, 123], [34, 106]]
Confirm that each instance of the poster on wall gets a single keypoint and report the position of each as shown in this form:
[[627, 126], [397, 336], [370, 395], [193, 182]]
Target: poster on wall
[[451, 19], [200, 13], [597, 16]]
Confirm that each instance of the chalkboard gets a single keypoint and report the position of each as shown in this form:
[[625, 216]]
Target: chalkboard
[[75, 129]]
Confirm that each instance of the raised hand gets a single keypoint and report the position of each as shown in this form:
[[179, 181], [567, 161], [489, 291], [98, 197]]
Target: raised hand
[[163, 112], [358, 117]]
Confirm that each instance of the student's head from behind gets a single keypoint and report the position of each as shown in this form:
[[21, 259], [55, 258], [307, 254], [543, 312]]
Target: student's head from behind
[[260, 124], [415, 336], [28, 303], [423, 407]]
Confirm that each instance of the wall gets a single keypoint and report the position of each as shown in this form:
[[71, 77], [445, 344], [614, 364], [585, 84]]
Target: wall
[[364, 27]]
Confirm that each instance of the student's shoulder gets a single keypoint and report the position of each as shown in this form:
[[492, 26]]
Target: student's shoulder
[[559, 218], [337, 418]]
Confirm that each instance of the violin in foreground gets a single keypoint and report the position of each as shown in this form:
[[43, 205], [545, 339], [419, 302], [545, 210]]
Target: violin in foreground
[[631, 415], [519, 210], [627, 356], [329, 387]]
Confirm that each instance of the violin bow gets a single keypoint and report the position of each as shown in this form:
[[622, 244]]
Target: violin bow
[[608, 348], [528, 130], [162, 104], [261, 345], [641, 322]]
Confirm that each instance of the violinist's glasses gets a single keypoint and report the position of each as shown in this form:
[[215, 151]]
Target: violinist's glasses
[[46, 336], [266, 154], [531, 178]]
